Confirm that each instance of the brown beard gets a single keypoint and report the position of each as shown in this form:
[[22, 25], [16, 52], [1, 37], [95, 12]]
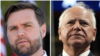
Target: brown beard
[[34, 46]]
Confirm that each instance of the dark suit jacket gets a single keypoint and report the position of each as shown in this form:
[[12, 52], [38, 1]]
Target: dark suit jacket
[[90, 54]]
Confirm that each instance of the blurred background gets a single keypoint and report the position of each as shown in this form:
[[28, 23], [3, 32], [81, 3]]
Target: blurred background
[[5, 48], [57, 7]]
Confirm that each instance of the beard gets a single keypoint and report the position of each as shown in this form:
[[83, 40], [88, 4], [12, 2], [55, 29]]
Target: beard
[[34, 46]]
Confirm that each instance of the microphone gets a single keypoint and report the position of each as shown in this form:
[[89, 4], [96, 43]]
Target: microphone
[[24, 55]]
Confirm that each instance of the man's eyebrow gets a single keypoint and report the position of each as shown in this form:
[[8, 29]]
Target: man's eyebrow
[[27, 23], [83, 19], [11, 26], [21, 24], [86, 20]]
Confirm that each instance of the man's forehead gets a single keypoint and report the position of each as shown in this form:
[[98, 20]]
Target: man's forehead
[[77, 12], [77, 9], [80, 19]]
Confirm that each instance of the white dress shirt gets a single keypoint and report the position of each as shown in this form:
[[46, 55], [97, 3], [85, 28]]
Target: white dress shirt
[[83, 54], [45, 54]]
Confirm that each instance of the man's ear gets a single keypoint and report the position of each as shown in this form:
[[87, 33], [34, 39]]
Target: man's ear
[[59, 32], [94, 34], [43, 30]]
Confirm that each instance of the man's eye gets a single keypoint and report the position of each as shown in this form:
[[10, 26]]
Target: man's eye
[[84, 23], [14, 28], [28, 25], [70, 22]]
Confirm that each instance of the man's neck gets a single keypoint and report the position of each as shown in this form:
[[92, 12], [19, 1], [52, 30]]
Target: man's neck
[[39, 52], [75, 51]]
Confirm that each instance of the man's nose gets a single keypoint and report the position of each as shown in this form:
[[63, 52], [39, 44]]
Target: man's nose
[[77, 26], [20, 32]]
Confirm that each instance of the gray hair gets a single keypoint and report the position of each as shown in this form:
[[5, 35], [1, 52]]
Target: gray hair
[[81, 4]]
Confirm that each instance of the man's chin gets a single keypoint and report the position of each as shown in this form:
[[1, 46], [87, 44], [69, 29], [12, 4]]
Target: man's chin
[[77, 43], [23, 50]]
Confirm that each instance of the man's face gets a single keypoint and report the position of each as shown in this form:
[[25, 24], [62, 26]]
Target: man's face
[[77, 28], [24, 33]]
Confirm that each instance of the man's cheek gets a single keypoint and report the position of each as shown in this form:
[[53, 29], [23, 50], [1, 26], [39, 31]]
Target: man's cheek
[[10, 41], [65, 33]]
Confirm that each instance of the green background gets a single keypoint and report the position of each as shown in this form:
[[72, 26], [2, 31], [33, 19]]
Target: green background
[[44, 5]]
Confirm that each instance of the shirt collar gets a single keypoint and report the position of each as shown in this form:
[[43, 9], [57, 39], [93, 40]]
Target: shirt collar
[[45, 54], [86, 53], [65, 54]]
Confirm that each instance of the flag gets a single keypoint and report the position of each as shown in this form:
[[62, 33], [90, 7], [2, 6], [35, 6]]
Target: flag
[[2, 39]]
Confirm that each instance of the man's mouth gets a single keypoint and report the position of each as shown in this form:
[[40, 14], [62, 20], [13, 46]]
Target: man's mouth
[[21, 42], [77, 35]]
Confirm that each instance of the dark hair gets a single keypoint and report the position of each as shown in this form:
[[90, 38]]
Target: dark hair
[[26, 5]]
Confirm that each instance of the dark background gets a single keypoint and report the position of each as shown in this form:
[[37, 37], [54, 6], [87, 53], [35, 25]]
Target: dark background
[[57, 9]]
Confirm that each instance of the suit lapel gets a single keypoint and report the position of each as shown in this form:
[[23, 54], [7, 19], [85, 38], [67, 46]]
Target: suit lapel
[[60, 54], [90, 54]]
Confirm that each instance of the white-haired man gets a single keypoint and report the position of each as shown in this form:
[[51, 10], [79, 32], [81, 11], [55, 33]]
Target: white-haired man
[[77, 29]]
